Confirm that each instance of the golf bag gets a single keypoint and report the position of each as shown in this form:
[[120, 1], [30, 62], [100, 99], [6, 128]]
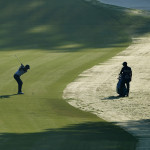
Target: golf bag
[[121, 88]]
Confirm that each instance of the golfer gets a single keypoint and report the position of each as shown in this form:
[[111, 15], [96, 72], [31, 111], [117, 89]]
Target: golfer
[[22, 69], [126, 74]]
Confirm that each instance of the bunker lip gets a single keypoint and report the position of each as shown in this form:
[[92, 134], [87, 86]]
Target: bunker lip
[[95, 91]]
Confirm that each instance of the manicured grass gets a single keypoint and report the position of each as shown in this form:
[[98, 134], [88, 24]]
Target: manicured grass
[[41, 118], [43, 87], [59, 39]]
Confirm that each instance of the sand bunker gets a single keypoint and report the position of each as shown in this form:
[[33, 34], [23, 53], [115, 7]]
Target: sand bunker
[[95, 91], [135, 4]]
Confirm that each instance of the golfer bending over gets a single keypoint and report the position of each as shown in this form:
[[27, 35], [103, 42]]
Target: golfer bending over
[[22, 69]]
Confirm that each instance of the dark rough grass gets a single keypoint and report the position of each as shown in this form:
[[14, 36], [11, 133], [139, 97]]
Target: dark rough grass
[[52, 23], [85, 136]]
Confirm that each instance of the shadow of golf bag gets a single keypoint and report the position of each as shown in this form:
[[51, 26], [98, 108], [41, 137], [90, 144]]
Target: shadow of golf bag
[[121, 90]]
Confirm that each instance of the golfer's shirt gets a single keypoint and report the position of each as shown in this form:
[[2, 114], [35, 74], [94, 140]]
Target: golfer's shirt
[[126, 72], [20, 71]]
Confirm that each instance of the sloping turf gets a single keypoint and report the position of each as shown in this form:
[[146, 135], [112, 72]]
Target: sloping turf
[[59, 39]]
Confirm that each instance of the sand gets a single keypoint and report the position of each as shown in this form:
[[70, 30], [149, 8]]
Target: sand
[[95, 91], [134, 4]]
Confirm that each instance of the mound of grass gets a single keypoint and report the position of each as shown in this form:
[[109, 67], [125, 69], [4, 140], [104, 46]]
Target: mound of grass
[[59, 39], [49, 24]]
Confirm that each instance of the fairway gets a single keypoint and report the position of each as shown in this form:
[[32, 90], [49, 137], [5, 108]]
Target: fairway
[[58, 46], [41, 112]]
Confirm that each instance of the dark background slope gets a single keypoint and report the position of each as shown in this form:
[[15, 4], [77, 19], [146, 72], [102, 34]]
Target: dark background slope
[[46, 24]]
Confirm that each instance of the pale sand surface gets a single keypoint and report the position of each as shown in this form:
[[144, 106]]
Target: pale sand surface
[[95, 91], [135, 4]]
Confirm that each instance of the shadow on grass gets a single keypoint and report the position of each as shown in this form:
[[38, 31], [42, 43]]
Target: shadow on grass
[[7, 96], [85, 136], [49, 25]]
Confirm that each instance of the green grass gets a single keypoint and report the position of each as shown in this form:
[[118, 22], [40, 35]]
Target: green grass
[[59, 39], [41, 118], [43, 87], [51, 24]]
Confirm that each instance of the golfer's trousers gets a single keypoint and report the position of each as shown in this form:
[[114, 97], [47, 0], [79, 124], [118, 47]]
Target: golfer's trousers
[[127, 83], [19, 81]]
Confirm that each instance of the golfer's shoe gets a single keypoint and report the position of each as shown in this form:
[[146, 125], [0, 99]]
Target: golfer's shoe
[[20, 93], [121, 95]]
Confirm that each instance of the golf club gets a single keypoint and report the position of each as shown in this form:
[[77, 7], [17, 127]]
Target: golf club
[[18, 59]]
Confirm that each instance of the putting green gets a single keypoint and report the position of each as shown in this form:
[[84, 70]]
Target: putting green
[[58, 45]]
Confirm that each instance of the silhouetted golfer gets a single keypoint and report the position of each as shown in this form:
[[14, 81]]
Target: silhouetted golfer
[[126, 74], [22, 69]]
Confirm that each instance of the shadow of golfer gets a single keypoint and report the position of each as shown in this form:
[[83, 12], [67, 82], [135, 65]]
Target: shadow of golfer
[[7, 96], [111, 98]]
